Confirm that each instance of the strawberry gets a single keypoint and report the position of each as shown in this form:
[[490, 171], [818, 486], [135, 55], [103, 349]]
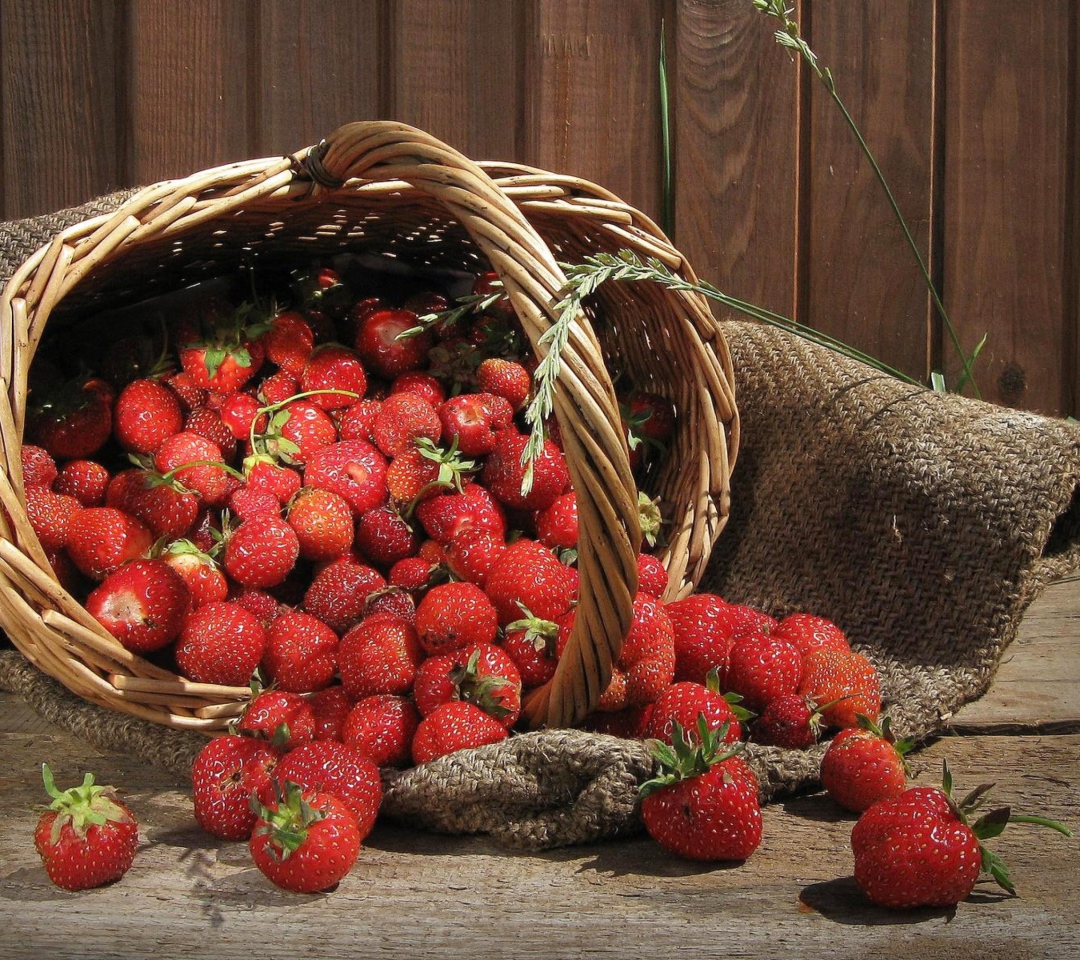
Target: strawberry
[[146, 414], [301, 652], [807, 633], [326, 765], [457, 725], [505, 378], [423, 384], [865, 764], [504, 475], [87, 838], [241, 413], [246, 502], [789, 721], [393, 600], [652, 576], [706, 627], [649, 420], [382, 346], [529, 576], [100, 539], [384, 536], [337, 372], [283, 718], [557, 524], [379, 655], [85, 480], [198, 464], [297, 431], [161, 502], [189, 394], [413, 574], [923, 848], [480, 673], [645, 666], [289, 342], [424, 470], [844, 679], [207, 423], [71, 420], [454, 511], [322, 522], [50, 515], [304, 841], [703, 804], [357, 421], [762, 668], [382, 727], [39, 468], [339, 592], [454, 615], [402, 420], [220, 643], [331, 706], [279, 387], [260, 604], [489, 286], [220, 353], [683, 702], [144, 604], [531, 643], [474, 421], [353, 469], [262, 473], [261, 552], [205, 581]]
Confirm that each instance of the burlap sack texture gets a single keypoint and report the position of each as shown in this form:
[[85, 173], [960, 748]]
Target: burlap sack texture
[[923, 524]]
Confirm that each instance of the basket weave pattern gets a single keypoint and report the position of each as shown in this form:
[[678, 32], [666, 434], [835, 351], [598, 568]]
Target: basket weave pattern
[[389, 190]]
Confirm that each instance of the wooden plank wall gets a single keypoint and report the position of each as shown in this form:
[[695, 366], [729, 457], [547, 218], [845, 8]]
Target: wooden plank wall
[[971, 107]]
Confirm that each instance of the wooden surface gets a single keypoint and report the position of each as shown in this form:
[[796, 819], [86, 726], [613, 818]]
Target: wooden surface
[[414, 894], [969, 106]]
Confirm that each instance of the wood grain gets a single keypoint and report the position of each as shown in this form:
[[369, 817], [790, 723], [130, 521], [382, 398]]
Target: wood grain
[[863, 284], [736, 152], [60, 94], [191, 73], [319, 68], [1005, 186]]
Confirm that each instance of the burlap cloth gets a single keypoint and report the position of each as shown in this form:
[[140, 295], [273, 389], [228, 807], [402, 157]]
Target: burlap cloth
[[923, 524]]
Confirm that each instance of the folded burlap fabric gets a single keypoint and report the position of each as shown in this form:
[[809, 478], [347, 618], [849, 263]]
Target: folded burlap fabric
[[923, 524]]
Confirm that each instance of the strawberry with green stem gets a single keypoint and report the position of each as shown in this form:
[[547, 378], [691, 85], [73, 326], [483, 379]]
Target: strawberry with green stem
[[221, 351], [864, 764]]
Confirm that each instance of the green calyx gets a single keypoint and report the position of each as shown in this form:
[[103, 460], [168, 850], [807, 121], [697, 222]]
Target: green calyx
[[688, 756], [83, 806], [649, 518], [485, 691], [287, 822], [541, 633]]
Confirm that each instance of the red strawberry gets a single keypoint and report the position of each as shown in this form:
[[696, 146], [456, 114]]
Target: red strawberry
[[277, 388], [241, 413], [454, 726], [455, 511], [683, 702], [100, 539], [50, 515], [143, 604], [454, 615], [488, 285], [297, 431], [339, 592], [789, 721], [162, 503], [413, 574], [808, 633], [264, 607], [704, 803], [382, 727], [924, 849], [146, 414], [85, 480], [557, 524], [705, 629], [402, 420], [337, 372], [221, 643], [71, 421], [382, 346], [532, 643], [186, 390], [845, 677], [304, 841], [358, 421], [529, 576], [283, 718], [393, 600], [379, 655], [646, 664], [474, 420], [331, 706], [504, 475], [353, 469], [505, 378], [87, 838], [263, 473], [207, 476], [223, 355], [650, 423], [761, 668], [205, 581], [864, 764], [261, 552], [323, 523], [326, 765], [39, 468], [652, 576], [481, 673], [246, 502], [207, 423], [423, 384], [289, 342], [384, 536], [301, 652]]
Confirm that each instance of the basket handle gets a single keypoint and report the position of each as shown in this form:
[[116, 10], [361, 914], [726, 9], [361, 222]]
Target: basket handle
[[585, 404]]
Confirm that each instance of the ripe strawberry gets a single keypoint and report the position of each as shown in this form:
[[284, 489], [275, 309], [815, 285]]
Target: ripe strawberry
[[208, 477], [338, 372], [146, 414], [924, 849], [532, 644], [332, 767], [488, 285], [246, 502], [789, 721], [684, 701], [339, 592], [261, 552], [382, 727], [263, 473], [207, 423], [264, 607], [189, 394], [480, 673], [706, 627], [529, 576], [384, 536], [557, 524], [161, 502], [143, 604], [652, 576], [807, 633], [39, 468], [100, 539], [402, 420], [455, 511], [353, 469], [845, 677], [761, 668], [241, 413], [297, 431], [220, 353], [85, 480], [301, 652], [649, 420], [205, 581], [454, 615], [504, 475], [331, 706], [646, 664], [474, 420], [282, 718], [221, 643], [505, 378], [704, 803], [277, 388], [357, 421], [304, 841], [393, 600], [413, 575], [87, 838], [72, 420], [50, 515], [423, 384], [380, 654], [323, 523], [382, 347], [865, 764], [289, 342], [457, 725]]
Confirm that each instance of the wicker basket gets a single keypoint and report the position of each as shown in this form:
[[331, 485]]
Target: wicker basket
[[392, 189]]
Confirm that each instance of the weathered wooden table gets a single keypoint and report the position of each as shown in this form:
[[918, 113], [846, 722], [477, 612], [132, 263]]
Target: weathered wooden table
[[415, 894]]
